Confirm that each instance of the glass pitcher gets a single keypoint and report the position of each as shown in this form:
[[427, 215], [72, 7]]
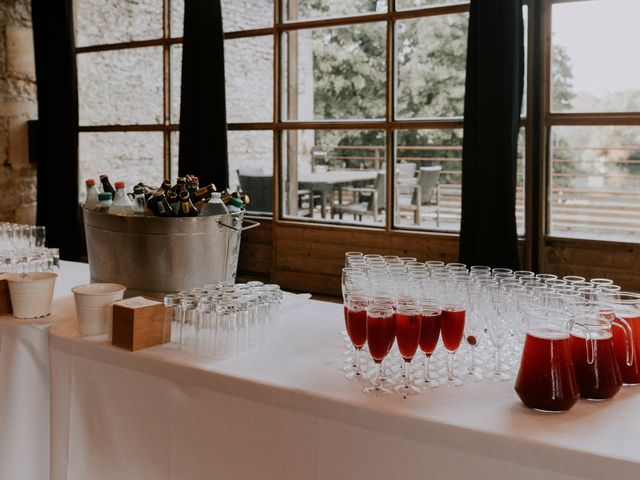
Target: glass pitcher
[[546, 379], [626, 306], [593, 353]]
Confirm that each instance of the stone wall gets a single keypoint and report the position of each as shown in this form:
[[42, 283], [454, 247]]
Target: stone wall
[[18, 104]]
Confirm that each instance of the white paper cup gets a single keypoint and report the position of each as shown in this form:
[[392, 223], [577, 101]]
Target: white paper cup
[[31, 293], [94, 303]]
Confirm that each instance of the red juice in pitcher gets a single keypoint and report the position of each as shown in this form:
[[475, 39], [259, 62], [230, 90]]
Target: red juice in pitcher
[[452, 326], [546, 378], [600, 379], [407, 333], [630, 373], [357, 327], [381, 333]]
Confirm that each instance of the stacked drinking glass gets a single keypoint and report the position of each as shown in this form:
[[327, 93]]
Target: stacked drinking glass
[[22, 249], [222, 319]]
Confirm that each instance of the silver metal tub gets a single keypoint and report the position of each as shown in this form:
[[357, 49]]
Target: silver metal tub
[[154, 256]]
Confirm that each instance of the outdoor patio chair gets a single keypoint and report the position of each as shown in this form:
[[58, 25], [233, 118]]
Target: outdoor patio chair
[[428, 178], [366, 201], [406, 171], [259, 186]]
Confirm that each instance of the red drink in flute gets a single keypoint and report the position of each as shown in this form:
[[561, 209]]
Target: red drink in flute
[[408, 325], [452, 330], [380, 336], [430, 319], [356, 322]]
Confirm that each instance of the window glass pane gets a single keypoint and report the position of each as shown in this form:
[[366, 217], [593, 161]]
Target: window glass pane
[[428, 179], [304, 9], [176, 81], [175, 151], [128, 156], [335, 73], [595, 64], [108, 21], [520, 172], [409, 4], [595, 182], [120, 87], [334, 176], [251, 166], [431, 59], [248, 64], [236, 15]]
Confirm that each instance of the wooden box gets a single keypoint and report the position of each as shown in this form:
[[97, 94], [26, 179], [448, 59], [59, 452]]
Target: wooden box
[[139, 322], [5, 299]]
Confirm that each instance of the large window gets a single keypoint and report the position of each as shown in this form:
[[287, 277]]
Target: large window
[[593, 118]]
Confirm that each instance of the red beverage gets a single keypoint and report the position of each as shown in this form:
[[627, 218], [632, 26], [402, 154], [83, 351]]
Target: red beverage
[[601, 379], [452, 327], [429, 332], [381, 332], [546, 378], [630, 373], [408, 333], [357, 327]]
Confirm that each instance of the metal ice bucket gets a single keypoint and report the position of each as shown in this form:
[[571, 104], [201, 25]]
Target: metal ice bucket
[[154, 256]]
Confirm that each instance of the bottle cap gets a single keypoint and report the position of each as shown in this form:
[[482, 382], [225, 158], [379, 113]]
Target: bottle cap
[[119, 184], [138, 190], [103, 176], [104, 196], [236, 202], [90, 182]]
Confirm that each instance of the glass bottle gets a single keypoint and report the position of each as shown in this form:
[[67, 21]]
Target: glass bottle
[[159, 205], [187, 209], [91, 201], [139, 202], [106, 185], [214, 206], [121, 204], [104, 202]]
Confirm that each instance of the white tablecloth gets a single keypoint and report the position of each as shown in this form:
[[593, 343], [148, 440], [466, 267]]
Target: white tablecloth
[[24, 385], [284, 411]]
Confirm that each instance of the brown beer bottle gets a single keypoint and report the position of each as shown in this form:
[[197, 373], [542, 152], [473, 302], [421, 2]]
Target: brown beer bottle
[[180, 186], [204, 194], [159, 205], [166, 186], [187, 209], [106, 185]]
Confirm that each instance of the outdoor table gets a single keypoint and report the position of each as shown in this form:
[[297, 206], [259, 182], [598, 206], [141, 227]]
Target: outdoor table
[[283, 410], [327, 182], [24, 383]]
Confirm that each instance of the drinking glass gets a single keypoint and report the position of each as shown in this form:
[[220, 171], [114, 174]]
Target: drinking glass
[[356, 322], [408, 323], [573, 278], [498, 327], [380, 337], [473, 327], [430, 318], [452, 326]]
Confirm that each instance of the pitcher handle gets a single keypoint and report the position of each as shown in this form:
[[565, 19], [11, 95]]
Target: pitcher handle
[[622, 324], [589, 342]]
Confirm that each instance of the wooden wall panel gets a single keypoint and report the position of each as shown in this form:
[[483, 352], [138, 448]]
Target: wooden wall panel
[[311, 257], [256, 251], [618, 261]]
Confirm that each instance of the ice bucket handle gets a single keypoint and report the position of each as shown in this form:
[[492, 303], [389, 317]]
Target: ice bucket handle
[[251, 224]]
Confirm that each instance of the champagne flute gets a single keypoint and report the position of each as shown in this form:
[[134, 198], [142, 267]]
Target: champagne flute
[[429, 334], [380, 337], [408, 324]]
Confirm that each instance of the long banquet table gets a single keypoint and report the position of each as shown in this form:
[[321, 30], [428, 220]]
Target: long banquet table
[[283, 410], [24, 384]]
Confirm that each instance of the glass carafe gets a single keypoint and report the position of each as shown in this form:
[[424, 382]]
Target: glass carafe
[[546, 379], [593, 354], [626, 306]]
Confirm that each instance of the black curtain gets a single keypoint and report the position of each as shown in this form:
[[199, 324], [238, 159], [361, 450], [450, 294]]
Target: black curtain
[[203, 119], [57, 144], [493, 99]]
